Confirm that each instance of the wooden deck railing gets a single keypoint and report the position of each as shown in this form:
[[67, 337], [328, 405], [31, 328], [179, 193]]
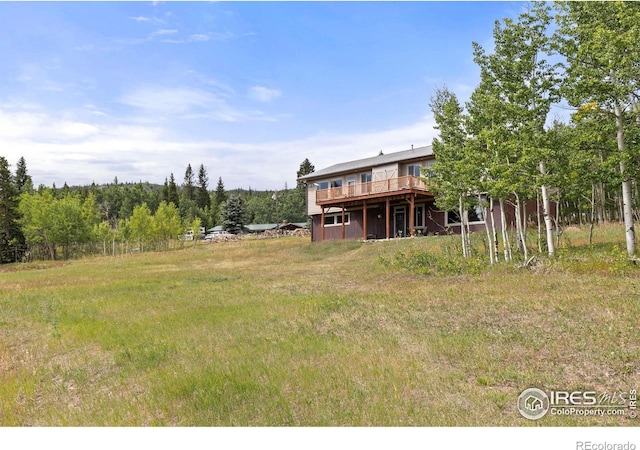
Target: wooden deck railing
[[370, 188]]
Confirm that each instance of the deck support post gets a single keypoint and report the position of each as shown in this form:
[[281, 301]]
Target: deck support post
[[411, 214], [343, 233], [322, 225], [387, 217], [364, 220]]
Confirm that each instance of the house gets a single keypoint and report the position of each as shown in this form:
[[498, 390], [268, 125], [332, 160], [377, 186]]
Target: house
[[378, 198]]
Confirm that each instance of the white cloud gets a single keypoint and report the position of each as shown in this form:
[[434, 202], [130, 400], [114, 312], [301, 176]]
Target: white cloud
[[74, 130], [80, 152], [149, 38], [178, 100], [159, 103], [200, 37], [148, 19], [162, 32], [22, 125], [263, 94]]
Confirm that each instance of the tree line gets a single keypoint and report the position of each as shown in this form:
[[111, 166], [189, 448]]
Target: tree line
[[502, 147], [67, 222]]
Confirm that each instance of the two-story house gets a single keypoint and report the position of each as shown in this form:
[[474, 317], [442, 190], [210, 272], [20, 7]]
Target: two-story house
[[374, 198]]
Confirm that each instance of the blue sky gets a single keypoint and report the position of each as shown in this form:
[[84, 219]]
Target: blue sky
[[137, 90]]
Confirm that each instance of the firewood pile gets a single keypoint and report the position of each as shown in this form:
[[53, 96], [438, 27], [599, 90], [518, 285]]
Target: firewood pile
[[226, 238], [301, 232], [269, 234]]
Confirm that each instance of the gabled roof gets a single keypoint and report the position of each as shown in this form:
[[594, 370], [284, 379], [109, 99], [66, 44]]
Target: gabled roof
[[367, 163]]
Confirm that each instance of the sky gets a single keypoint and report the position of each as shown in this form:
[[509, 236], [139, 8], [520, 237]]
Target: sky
[[90, 91]]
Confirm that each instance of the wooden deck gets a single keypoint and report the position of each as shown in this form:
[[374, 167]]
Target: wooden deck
[[372, 189]]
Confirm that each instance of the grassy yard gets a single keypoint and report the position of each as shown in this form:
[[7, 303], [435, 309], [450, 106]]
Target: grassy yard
[[285, 332]]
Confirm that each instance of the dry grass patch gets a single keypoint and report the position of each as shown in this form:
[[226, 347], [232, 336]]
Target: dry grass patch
[[285, 332]]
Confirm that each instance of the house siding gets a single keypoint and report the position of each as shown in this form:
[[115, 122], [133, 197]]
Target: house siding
[[353, 230], [399, 196]]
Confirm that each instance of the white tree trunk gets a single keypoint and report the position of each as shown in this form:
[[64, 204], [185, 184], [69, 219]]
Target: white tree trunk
[[627, 212], [505, 237], [467, 233], [462, 229], [486, 228], [630, 233], [494, 233], [626, 188], [519, 230], [558, 221], [546, 208], [539, 222]]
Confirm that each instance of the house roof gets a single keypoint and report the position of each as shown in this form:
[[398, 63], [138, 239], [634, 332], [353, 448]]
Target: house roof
[[367, 163]]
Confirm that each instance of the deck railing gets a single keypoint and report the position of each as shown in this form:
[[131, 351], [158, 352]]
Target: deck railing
[[370, 188]]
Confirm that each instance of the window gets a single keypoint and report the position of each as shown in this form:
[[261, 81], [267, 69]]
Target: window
[[323, 185], [414, 170], [365, 178], [332, 220], [476, 214], [418, 217], [336, 183]]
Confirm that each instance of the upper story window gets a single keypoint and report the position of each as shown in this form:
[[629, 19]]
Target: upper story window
[[335, 183], [365, 177], [414, 170]]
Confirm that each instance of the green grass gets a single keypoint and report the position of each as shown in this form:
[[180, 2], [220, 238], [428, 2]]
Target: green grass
[[285, 332]]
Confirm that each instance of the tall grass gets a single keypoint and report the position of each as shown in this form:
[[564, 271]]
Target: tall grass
[[285, 332]]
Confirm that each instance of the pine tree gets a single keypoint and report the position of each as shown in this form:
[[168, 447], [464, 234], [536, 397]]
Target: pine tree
[[202, 194], [23, 179], [65, 190], [188, 188], [305, 169], [233, 215], [10, 233], [221, 195], [165, 191], [172, 193]]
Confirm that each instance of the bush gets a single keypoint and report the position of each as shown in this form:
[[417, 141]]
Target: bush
[[448, 262]]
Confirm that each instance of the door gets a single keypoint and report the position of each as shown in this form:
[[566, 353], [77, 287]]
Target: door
[[365, 183], [351, 185], [400, 222]]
